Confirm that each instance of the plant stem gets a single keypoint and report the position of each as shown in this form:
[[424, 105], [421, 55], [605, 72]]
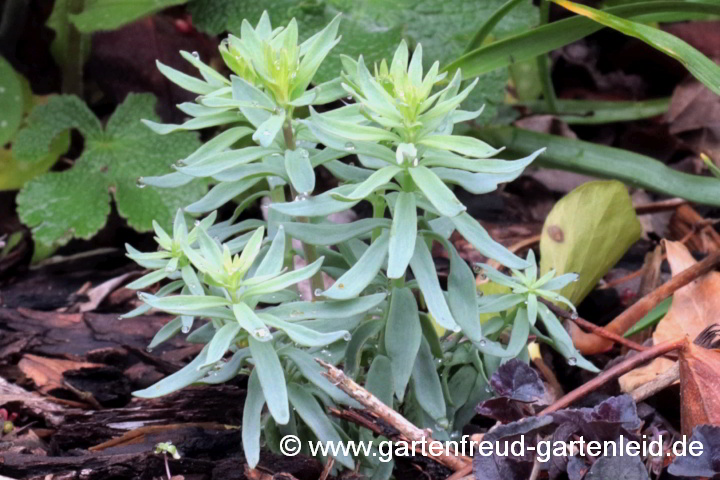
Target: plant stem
[[316, 281], [390, 416], [379, 205], [543, 64], [72, 68], [614, 372], [590, 344]]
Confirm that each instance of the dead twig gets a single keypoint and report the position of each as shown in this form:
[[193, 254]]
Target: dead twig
[[657, 384], [614, 372], [596, 329], [592, 343], [462, 473], [661, 206], [327, 469], [382, 411]]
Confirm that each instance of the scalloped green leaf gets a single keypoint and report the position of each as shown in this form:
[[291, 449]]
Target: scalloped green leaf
[[74, 203]]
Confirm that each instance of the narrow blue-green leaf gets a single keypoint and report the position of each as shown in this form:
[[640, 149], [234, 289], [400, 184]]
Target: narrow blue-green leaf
[[252, 420], [519, 334], [300, 170], [311, 370], [167, 331], [219, 195], [272, 379], [423, 268], [268, 130], [378, 382], [426, 384], [483, 242], [403, 334], [251, 322], [561, 339], [326, 310], [147, 280], [472, 147], [403, 234], [375, 181], [221, 342], [355, 346], [462, 296], [305, 336], [273, 261], [355, 280], [285, 280], [315, 418], [316, 206], [436, 191], [189, 374], [332, 234]]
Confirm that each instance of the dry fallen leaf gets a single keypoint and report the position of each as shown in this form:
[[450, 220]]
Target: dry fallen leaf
[[694, 308], [699, 387], [47, 373]]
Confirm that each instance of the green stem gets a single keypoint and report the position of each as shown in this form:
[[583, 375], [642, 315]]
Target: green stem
[[379, 205], [316, 281], [72, 68], [490, 23], [543, 64]]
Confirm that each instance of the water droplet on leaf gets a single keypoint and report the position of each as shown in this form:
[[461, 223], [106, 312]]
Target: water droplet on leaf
[[350, 147]]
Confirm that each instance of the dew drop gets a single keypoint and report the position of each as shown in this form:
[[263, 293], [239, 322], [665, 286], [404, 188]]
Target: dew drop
[[149, 350], [488, 389], [304, 153], [266, 133], [457, 328], [318, 292], [261, 332], [350, 147], [185, 329], [349, 97], [572, 361], [301, 197], [169, 268], [140, 183], [347, 337], [477, 268], [574, 316], [197, 223], [483, 342], [119, 318], [196, 55], [415, 162]]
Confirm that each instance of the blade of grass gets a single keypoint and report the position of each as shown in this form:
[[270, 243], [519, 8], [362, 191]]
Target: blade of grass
[[549, 37], [606, 162], [586, 112], [543, 65], [652, 318], [701, 67], [490, 23]]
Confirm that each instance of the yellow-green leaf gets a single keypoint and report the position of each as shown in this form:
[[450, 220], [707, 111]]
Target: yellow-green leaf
[[587, 232]]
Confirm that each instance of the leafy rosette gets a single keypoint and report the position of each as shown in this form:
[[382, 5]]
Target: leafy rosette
[[525, 291], [228, 288], [272, 76]]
